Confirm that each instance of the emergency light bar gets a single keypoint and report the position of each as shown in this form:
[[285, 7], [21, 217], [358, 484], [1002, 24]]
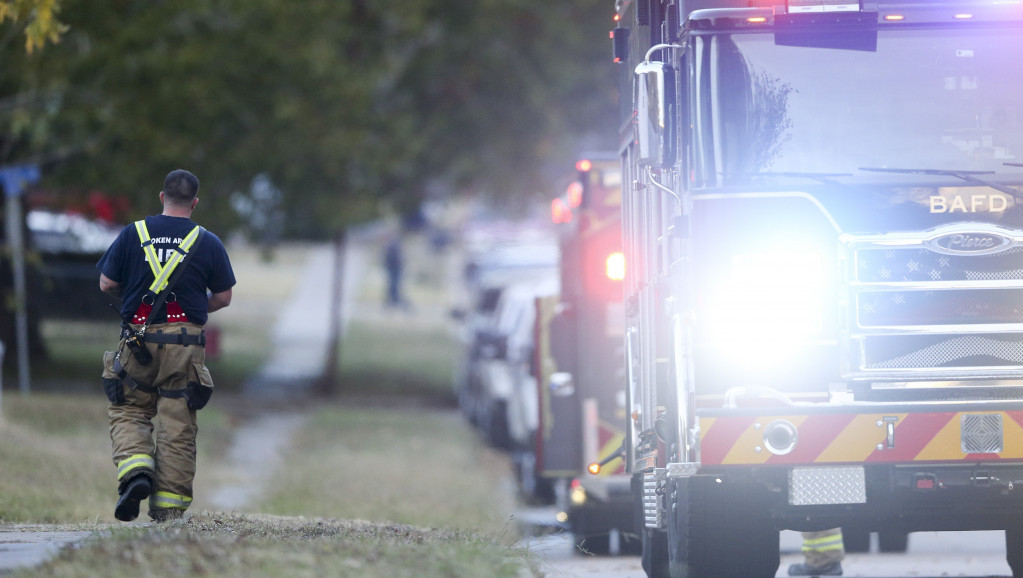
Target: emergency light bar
[[803, 6], [809, 15]]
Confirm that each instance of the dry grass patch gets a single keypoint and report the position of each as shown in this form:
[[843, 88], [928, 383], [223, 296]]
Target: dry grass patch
[[230, 545], [57, 466], [56, 459], [402, 464]]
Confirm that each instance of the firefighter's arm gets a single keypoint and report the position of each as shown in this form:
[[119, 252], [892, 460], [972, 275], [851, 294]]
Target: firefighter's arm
[[219, 300], [109, 286]]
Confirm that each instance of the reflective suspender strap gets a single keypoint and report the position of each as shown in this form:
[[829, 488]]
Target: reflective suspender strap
[[147, 247], [162, 273]]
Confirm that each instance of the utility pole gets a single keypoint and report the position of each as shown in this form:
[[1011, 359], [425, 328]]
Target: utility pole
[[329, 381], [13, 179]]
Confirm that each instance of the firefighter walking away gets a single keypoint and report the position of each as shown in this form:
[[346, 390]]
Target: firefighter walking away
[[169, 274]]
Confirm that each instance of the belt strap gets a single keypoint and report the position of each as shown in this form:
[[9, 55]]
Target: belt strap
[[146, 388], [181, 338], [129, 380], [176, 338]]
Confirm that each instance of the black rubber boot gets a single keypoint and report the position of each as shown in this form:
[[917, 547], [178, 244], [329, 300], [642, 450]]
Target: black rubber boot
[[832, 569], [136, 490]]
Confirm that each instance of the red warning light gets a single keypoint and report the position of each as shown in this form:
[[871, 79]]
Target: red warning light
[[614, 267], [560, 213], [574, 194], [583, 165]]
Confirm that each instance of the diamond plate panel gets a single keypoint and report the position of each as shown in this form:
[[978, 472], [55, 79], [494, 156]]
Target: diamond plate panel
[[827, 485], [981, 433]]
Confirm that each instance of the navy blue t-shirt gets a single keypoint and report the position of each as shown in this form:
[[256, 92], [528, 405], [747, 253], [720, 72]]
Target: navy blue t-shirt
[[209, 268]]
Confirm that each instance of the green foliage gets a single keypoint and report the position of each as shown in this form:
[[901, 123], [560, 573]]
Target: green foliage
[[38, 18], [346, 106]]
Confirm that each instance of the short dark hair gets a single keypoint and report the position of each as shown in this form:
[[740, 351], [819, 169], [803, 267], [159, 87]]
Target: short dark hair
[[180, 187]]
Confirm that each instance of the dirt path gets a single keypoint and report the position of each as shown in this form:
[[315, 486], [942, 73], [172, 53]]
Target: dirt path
[[257, 450]]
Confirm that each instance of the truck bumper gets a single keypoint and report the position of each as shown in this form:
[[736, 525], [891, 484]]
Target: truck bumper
[[906, 498]]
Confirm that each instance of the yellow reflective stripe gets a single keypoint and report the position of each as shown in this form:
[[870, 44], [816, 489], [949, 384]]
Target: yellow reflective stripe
[[169, 500], [147, 247], [162, 273], [824, 544], [134, 462]]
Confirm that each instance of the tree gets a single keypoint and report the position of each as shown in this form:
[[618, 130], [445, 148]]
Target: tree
[[37, 18], [339, 104]]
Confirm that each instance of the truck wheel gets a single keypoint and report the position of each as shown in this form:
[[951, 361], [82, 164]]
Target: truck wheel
[[708, 518], [1014, 550], [535, 489], [496, 426], [893, 542], [856, 541], [655, 554], [596, 544]]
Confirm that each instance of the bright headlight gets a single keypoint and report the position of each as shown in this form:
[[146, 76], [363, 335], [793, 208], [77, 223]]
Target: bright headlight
[[777, 295]]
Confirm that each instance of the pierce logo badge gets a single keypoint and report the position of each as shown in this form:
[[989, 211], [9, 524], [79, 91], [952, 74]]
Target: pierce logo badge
[[971, 243]]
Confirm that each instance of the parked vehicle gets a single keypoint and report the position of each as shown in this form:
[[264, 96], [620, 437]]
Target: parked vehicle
[[489, 270], [508, 385]]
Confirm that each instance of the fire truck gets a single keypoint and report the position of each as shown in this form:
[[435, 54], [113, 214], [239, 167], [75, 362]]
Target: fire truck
[[581, 364], [823, 223]]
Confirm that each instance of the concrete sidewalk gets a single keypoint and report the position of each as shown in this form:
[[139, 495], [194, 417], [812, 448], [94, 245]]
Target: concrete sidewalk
[[300, 351], [22, 546], [302, 332]]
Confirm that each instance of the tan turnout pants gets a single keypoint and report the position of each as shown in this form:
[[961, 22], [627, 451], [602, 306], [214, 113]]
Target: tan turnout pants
[[823, 548], [136, 415]]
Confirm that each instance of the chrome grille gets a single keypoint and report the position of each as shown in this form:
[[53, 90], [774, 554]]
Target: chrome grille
[[946, 351], [919, 312], [950, 307], [894, 264]]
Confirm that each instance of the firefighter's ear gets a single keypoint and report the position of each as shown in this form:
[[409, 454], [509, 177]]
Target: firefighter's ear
[[195, 202]]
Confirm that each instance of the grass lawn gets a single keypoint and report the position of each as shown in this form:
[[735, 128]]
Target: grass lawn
[[384, 479]]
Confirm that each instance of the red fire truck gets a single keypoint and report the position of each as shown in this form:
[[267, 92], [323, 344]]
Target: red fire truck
[[824, 301], [581, 364]]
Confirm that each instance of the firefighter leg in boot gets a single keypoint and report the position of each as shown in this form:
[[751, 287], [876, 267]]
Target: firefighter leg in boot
[[823, 552], [131, 436], [179, 369], [175, 459]]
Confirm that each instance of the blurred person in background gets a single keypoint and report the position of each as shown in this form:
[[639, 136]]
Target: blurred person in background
[[394, 263]]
